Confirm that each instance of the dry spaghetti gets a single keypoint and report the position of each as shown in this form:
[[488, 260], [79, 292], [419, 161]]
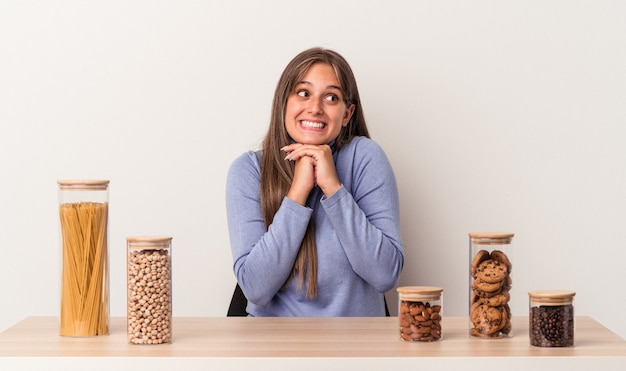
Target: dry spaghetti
[[84, 286]]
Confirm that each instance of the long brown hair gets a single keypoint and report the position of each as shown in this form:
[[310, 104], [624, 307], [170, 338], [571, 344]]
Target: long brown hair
[[277, 174]]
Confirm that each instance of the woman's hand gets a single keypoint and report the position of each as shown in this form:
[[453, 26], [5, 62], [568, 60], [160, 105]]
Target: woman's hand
[[314, 165]]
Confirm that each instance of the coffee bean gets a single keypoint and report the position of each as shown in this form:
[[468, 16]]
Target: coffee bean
[[552, 326]]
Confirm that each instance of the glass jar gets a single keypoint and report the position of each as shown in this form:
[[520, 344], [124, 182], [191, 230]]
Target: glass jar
[[83, 214], [149, 290], [420, 313], [551, 318], [490, 284]]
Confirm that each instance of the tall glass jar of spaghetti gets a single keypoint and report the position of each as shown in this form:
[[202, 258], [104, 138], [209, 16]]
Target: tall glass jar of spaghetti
[[149, 290], [490, 284], [83, 213]]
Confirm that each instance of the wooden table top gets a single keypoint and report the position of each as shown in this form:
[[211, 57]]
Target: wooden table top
[[299, 337]]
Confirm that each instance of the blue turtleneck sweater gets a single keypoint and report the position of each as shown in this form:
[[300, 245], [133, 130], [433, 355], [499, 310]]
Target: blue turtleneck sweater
[[358, 238]]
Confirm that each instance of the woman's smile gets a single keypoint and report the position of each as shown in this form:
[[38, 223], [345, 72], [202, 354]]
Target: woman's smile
[[312, 124]]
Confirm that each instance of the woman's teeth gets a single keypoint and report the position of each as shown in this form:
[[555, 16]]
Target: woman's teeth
[[311, 124]]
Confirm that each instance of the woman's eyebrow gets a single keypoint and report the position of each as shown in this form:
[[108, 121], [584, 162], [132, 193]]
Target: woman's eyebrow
[[304, 82]]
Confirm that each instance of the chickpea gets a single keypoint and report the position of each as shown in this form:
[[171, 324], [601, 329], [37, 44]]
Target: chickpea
[[149, 298]]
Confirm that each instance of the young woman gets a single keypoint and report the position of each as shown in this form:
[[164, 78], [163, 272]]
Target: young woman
[[314, 217]]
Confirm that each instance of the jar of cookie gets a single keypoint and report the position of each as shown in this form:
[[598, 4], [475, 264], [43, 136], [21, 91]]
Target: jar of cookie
[[420, 312], [149, 290], [490, 285], [551, 318]]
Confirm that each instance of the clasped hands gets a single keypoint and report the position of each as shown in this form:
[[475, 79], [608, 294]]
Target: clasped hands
[[314, 165]]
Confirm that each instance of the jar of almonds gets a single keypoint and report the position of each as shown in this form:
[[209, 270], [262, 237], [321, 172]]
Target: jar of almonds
[[419, 313], [149, 290], [490, 284], [551, 318]]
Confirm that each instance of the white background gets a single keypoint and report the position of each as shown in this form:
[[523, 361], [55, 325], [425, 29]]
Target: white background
[[496, 115]]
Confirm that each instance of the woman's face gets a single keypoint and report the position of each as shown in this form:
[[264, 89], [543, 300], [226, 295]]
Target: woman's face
[[316, 110]]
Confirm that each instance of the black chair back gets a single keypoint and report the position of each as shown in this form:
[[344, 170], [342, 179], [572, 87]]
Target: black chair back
[[238, 304]]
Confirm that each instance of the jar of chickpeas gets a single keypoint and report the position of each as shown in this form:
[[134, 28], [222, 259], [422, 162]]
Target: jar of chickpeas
[[419, 313], [149, 290]]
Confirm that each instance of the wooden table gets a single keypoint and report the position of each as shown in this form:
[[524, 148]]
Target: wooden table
[[231, 343]]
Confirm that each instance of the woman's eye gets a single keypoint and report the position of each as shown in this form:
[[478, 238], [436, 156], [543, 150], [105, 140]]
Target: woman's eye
[[332, 98], [302, 93]]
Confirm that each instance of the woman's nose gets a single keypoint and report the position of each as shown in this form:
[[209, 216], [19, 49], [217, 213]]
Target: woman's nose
[[315, 106]]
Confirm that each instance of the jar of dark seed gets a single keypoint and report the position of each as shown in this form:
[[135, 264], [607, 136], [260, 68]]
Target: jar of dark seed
[[419, 313], [551, 318]]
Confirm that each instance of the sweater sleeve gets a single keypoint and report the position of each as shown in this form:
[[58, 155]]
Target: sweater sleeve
[[263, 259], [366, 217]]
